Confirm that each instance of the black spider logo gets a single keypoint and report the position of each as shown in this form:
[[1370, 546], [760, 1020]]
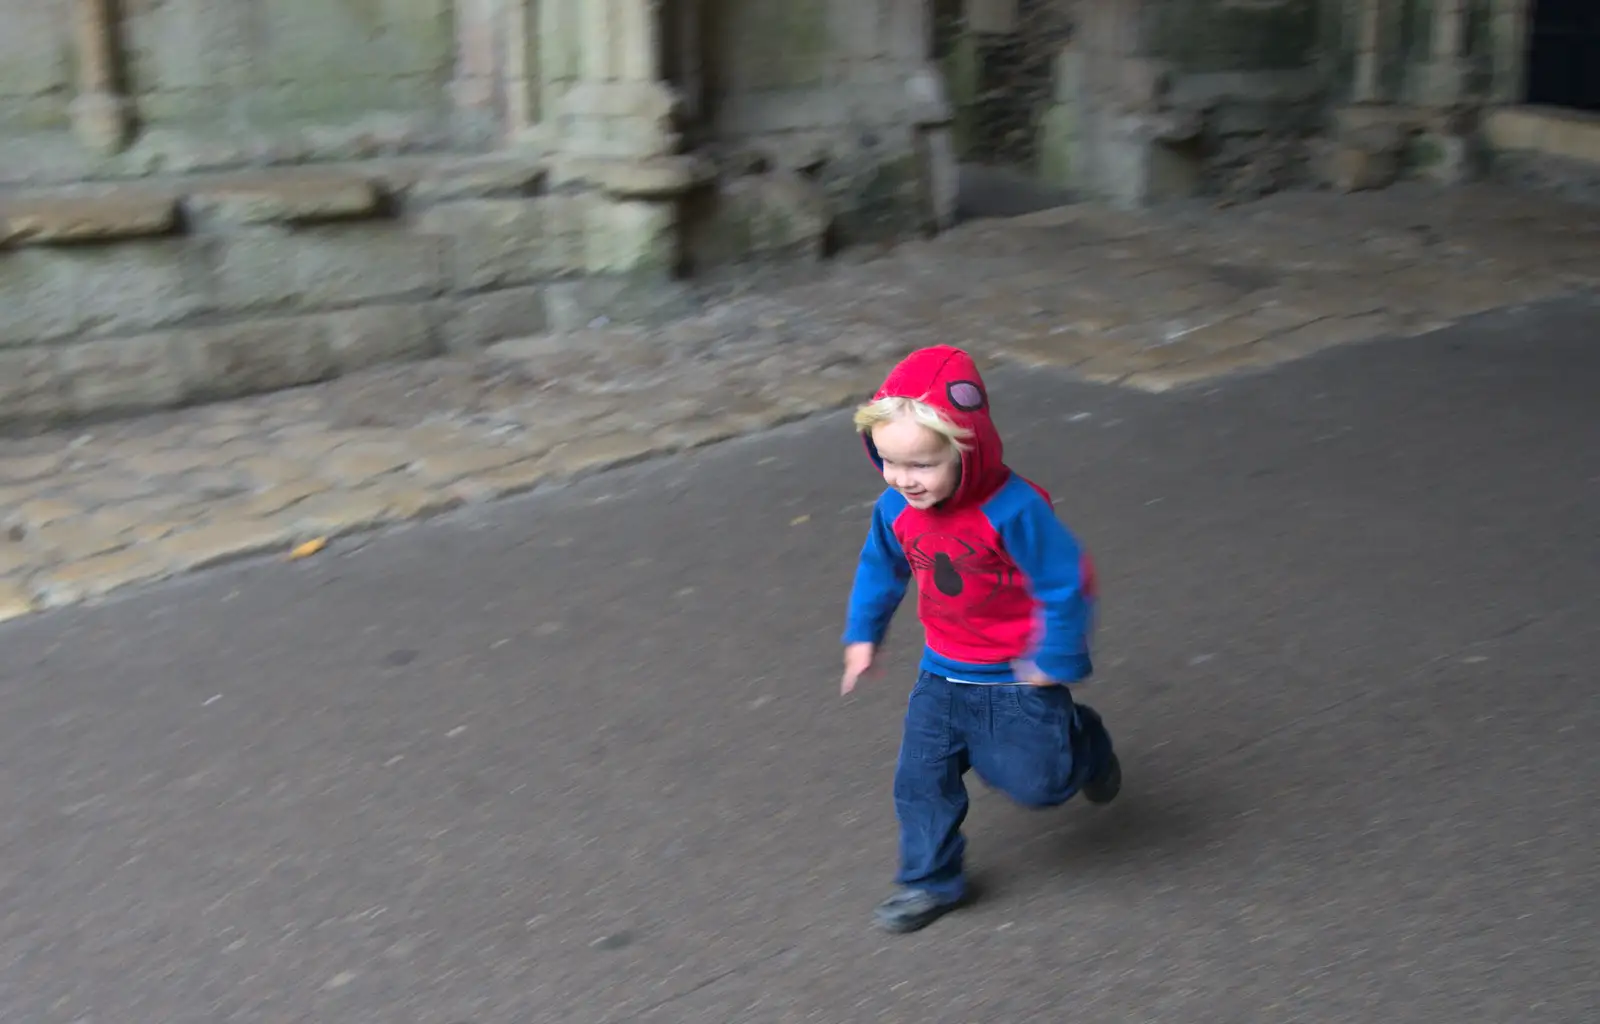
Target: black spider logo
[[955, 562]]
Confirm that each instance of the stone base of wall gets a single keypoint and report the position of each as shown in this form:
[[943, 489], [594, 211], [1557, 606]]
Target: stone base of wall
[[1374, 145], [763, 216], [126, 297], [1133, 130], [122, 298], [1554, 150]]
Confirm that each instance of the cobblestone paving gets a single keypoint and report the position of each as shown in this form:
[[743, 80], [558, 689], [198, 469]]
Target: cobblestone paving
[[1152, 302]]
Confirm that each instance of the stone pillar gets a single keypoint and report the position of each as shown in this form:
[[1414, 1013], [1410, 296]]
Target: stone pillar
[[558, 60], [522, 78], [1447, 71], [614, 125], [1446, 154], [904, 30], [618, 105], [1509, 30], [1134, 146], [474, 86], [101, 116], [1371, 41]]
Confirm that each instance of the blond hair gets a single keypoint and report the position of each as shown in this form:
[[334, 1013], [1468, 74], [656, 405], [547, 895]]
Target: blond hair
[[894, 407]]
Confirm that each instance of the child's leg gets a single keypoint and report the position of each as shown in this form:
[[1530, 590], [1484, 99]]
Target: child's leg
[[929, 797], [1104, 780], [1041, 748]]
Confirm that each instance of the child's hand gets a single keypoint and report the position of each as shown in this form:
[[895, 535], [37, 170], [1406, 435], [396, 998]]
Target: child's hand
[[1028, 674], [857, 661]]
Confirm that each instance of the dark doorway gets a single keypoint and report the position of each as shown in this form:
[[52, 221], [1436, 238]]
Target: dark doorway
[[1564, 54]]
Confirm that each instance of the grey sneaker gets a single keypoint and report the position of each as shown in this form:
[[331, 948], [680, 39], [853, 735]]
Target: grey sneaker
[[1103, 788], [911, 910]]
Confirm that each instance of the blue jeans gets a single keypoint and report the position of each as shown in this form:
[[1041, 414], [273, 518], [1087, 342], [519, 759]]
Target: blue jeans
[[1034, 744]]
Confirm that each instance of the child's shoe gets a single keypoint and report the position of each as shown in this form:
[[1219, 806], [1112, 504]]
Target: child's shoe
[[911, 910], [1103, 788]]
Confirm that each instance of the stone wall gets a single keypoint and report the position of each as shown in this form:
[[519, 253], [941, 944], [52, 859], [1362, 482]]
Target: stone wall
[[999, 59], [136, 297], [217, 84], [837, 98], [1137, 100], [1254, 70], [206, 198], [1416, 78], [1163, 99], [35, 74]]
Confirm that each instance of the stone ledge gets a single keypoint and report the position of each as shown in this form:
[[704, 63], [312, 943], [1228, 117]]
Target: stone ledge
[[113, 211], [288, 196], [1569, 134], [75, 217], [498, 176], [655, 178]]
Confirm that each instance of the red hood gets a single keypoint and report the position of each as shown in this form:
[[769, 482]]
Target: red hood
[[947, 379]]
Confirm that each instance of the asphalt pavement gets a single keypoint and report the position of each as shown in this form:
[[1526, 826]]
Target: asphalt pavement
[[580, 757]]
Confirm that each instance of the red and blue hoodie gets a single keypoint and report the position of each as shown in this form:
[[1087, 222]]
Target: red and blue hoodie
[[999, 578]]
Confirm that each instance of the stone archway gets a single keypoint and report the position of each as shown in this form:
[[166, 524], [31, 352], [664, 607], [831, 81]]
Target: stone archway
[[823, 117], [1001, 60]]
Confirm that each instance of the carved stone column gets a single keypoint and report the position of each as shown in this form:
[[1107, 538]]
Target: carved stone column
[[474, 87], [614, 124], [619, 105], [521, 73], [1137, 146], [101, 115], [1448, 73], [1509, 30], [1371, 47]]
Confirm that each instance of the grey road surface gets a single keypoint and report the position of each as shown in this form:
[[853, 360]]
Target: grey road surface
[[581, 758]]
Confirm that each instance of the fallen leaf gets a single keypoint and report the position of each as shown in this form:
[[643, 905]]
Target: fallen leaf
[[308, 549]]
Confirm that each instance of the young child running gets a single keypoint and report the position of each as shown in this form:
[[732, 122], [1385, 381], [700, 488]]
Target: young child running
[[1005, 595]]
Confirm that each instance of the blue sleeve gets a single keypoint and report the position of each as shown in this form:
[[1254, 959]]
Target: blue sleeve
[[1052, 559], [882, 576]]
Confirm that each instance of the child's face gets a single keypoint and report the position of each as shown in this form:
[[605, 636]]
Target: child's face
[[923, 466]]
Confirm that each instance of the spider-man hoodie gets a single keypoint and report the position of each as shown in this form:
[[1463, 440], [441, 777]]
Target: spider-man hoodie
[[999, 578]]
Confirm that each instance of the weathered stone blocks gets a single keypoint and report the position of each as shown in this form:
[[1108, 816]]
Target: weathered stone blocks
[[476, 321], [495, 243], [52, 293], [122, 374], [370, 335], [87, 217], [30, 386], [632, 237], [140, 373], [322, 267], [116, 303], [257, 355], [286, 197], [760, 216], [1560, 133], [1368, 147]]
